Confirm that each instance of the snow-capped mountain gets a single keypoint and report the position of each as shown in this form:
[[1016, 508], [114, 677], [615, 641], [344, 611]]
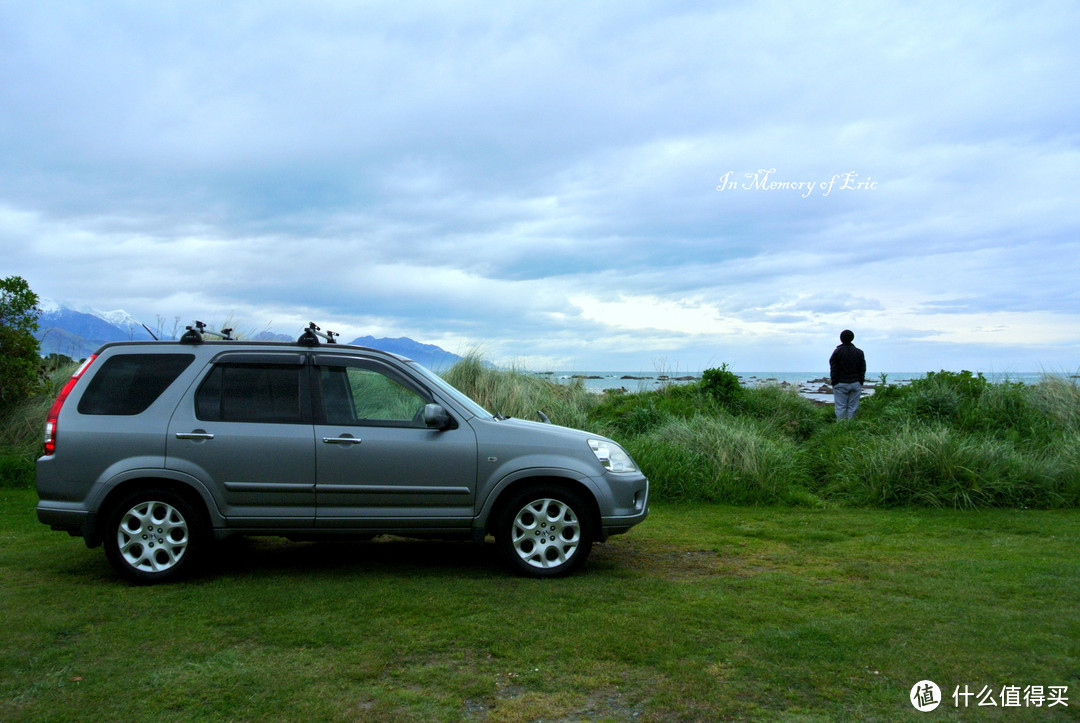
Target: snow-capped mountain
[[118, 317], [78, 331]]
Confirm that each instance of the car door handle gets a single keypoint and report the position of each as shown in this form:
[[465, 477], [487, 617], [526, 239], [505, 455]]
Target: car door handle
[[341, 440], [194, 435]]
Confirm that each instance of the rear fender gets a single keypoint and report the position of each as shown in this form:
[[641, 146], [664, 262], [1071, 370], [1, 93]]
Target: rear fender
[[103, 495]]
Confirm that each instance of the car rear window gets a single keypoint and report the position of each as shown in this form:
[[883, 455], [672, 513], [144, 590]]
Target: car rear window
[[128, 384]]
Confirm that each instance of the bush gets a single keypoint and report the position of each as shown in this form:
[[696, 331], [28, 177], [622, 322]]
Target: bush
[[22, 428], [942, 467], [722, 385], [20, 364], [785, 410], [16, 471], [638, 413], [734, 460], [1006, 411]]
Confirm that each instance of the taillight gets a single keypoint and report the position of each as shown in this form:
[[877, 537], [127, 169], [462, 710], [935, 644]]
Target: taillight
[[54, 410]]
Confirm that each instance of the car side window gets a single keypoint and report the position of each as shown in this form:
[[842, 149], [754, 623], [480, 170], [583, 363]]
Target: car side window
[[266, 393], [368, 395]]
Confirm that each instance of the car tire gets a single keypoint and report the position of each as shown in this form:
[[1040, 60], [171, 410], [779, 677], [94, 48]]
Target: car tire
[[545, 531], [154, 536]]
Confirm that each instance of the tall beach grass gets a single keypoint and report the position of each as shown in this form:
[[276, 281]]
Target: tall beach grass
[[950, 439], [515, 393], [22, 431]]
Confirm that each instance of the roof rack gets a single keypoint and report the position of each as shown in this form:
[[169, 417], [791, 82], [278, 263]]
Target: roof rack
[[313, 333], [195, 332]]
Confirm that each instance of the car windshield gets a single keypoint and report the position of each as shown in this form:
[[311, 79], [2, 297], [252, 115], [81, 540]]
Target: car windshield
[[450, 391]]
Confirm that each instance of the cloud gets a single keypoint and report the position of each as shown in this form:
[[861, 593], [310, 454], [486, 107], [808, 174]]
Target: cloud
[[541, 179]]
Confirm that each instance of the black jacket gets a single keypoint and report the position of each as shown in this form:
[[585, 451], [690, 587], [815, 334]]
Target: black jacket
[[847, 364]]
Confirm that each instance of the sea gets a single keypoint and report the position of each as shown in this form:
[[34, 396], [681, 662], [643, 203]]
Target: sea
[[809, 384]]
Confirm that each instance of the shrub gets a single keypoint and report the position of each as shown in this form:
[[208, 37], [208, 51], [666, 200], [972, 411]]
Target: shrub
[[937, 397], [722, 385], [785, 410], [734, 460], [1006, 411], [942, 467], [631, 414], [20, 364], [16, 471], [22, 428]]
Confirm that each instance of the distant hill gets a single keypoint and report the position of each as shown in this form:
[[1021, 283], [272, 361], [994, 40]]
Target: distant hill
[[79, 333]]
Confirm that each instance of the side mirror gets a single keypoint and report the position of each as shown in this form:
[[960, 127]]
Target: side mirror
[[435, 417]]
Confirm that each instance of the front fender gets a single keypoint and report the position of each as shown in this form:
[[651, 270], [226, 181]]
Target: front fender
[[487, 504]]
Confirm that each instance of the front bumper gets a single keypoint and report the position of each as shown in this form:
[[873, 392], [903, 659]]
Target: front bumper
[[633, 508]]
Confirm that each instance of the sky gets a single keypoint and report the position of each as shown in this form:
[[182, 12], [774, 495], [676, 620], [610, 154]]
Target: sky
[[560, 185]]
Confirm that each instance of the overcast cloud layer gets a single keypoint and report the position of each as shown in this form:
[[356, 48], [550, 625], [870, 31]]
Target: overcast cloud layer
[[563, 185]]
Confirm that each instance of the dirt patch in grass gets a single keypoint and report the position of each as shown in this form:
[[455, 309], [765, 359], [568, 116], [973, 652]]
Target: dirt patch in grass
[[678, 563], [516, 705]]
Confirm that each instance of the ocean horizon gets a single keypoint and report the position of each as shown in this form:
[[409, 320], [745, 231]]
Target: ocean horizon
[[809, 383]]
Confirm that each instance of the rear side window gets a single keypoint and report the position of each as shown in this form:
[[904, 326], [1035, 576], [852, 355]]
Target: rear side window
[[251, 393], [129, 383]]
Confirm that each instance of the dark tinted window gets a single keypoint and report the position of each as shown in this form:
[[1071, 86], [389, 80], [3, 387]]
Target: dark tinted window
[[129, 383], [251, 393]]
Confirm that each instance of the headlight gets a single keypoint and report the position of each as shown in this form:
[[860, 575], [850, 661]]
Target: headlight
[[612, 456]]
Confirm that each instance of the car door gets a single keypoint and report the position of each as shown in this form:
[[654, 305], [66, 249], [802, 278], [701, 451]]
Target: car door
[[246, 431], [378, 465]]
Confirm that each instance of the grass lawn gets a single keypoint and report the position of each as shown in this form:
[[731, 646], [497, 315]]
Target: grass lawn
[[701, 613]]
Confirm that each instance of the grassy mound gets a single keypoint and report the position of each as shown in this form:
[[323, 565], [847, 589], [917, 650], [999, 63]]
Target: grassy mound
[[951, 439]]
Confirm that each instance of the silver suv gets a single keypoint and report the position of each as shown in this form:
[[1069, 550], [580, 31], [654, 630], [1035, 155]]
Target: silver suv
[[156, 449]]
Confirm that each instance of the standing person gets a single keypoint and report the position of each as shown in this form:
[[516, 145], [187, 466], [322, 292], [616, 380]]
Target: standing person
[[847, 374]]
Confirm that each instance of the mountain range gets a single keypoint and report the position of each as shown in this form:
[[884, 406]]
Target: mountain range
[[78, 332]]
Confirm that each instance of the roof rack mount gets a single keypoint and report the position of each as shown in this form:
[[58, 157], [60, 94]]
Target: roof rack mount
[[313, 333], [195, 332]]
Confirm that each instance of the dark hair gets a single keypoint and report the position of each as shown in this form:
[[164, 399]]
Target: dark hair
[[847, 336]]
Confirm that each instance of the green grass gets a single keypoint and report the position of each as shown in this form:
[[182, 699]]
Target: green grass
[[949, 440], [701, 613]]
